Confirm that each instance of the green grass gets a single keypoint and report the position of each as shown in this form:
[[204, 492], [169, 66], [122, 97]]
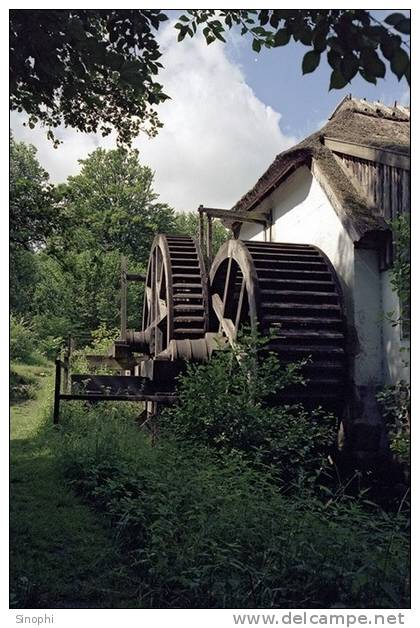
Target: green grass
[[62, 555]]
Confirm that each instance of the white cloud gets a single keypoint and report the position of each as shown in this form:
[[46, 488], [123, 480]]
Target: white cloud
[[217, 139]]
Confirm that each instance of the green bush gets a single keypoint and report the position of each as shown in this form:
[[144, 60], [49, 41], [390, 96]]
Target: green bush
[[394, 402], [102, 339], [22, 339], [225, 404], [213, 532]]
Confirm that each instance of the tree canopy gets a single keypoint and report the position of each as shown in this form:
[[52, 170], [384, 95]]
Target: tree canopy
[[65, 265], [33, 216], [96, 69], [111, 205], [352, 39], [92, 69]]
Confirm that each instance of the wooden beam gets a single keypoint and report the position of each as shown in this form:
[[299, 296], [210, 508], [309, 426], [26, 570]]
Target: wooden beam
[[228, 214], [226, 324], [362, 151], [135, 277], [123, 330], [98, 397]]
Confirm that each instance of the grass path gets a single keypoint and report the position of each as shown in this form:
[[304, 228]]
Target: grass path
[[62, 554]]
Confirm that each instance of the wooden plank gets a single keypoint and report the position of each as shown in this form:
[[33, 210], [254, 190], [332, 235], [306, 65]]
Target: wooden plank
[[107, 384], [136, 277], [387, 157], [226, 324], [97, 397]]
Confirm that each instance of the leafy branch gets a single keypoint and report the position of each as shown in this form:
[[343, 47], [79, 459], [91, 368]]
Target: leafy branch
[[353, 41]]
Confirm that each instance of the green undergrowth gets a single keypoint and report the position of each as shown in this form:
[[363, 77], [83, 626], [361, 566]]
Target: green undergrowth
[[234, 503], [25, 380], [204, 530], [61, 554]]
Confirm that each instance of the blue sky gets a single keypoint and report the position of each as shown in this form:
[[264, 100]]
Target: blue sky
[[231, 112], [304, 100]]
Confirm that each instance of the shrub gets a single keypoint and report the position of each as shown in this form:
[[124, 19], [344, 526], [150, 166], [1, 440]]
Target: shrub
[[394, 402], [225, 404], [213, 532], [401, 271], [102, 339], [22, 339]]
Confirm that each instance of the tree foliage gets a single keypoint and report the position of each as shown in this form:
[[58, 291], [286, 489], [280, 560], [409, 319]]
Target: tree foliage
[[111, 206], [401, 271], [96, 69], [69, 281], [33, 214], [92, 69], [352, 40]]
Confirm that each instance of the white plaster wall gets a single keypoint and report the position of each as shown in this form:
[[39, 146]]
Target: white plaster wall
[[303, 214], [395, 349]]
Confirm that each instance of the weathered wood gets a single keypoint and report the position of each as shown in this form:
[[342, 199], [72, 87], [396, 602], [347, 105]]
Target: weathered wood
[[98, 397], [200, 228], [57, 392], [256, 217], [225, 323], [123, 297], [386, 187], [108, 384], [209, 243], [387, 157], [304, 321], [136, 277], [176, 292]]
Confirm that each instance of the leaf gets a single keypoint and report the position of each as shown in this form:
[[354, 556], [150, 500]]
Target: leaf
[[389, 45], [256, 45], [394, 19], [367, 77], [282, 37], [404, 26], [310, 61], [76, 29], [349, 66], [263, 17], [334, 59], [319, 39], [337, 80], [400, 62], [372, 63]]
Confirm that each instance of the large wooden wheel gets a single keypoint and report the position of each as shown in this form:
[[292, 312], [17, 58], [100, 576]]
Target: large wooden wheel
[[290, 290], [175, 303]]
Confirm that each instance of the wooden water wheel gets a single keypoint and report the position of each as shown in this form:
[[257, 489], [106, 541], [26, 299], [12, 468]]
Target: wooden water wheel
[[176, 299], [290, 290]]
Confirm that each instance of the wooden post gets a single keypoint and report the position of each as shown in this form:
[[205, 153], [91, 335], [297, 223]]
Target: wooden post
[[57, 391], [201, 229], [209, 241], [123, 298], [66, 378]]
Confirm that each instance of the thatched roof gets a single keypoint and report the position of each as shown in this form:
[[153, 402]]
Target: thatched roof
[[356, 121]]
